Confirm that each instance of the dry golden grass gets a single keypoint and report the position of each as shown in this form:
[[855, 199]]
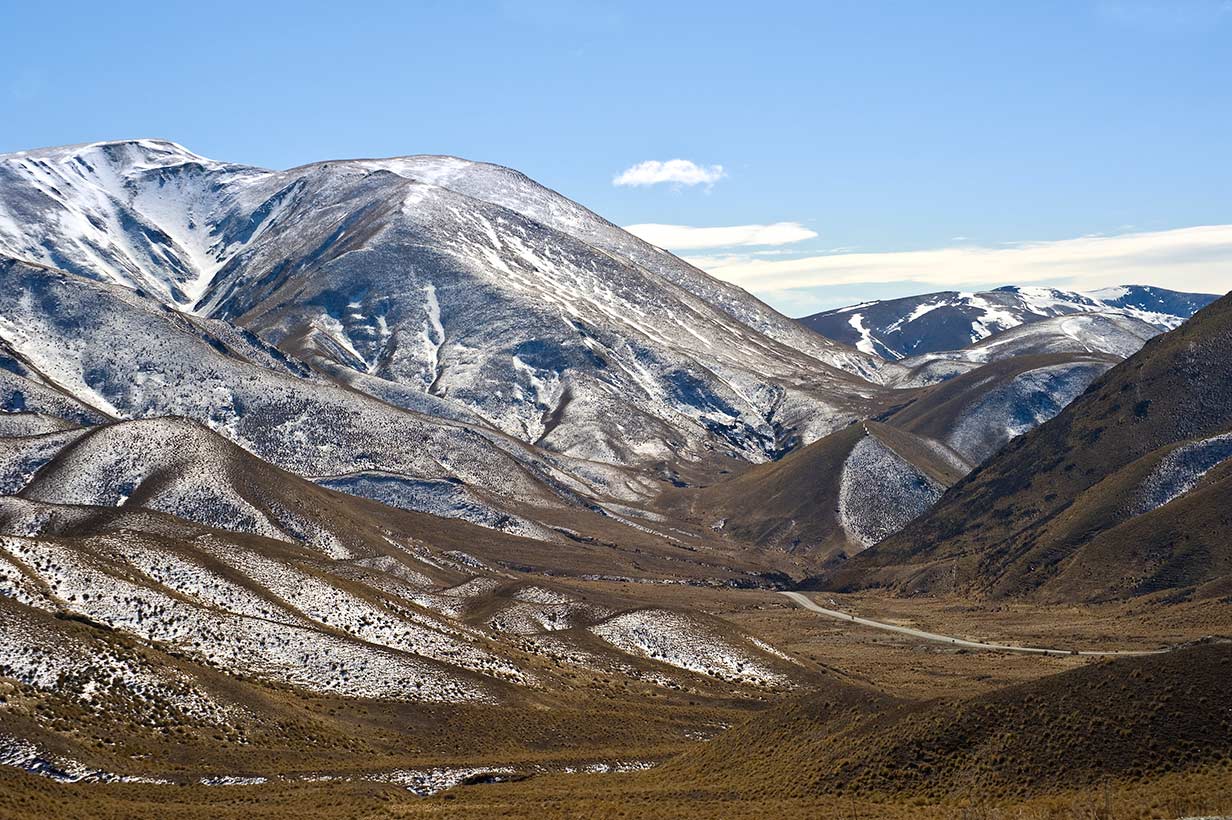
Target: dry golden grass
[[588, 718], [24, 797]]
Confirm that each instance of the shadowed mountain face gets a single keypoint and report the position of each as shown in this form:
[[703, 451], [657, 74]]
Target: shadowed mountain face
[[935, 322], [1124, 493]]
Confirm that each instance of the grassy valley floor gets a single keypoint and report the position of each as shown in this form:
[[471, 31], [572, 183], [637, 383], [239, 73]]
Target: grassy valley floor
[[594, 722]]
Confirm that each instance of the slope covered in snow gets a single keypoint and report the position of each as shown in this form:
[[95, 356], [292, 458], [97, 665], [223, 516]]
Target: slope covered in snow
[[880, 491], [178, 467], [930, 323], [460, 290], [977, 413], [130, 357], [517, 192], [367, 627]]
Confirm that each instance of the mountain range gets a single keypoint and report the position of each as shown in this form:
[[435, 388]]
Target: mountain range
[[1122, 494], [346, 470], [950, 320], [440, 335]]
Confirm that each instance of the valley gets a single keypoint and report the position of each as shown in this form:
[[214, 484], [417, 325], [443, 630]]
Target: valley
[[599, 724], [409, 487]]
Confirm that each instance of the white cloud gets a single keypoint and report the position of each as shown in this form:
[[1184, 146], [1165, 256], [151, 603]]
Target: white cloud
[[678, 171], [677, 237], [1196, 259]]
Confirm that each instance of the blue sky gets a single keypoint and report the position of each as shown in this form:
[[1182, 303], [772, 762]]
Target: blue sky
[[897, 146]]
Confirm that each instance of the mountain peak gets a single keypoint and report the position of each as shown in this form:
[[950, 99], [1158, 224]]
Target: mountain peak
[[146, 151]]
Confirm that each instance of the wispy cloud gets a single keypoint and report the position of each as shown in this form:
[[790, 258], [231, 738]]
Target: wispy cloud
[[1198, 258], [677, 171], [686, 237]]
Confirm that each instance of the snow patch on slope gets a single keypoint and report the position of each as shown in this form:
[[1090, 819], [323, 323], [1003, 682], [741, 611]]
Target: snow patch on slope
[[674, 639], [1025, 402], [880, 492], [1180, 471]]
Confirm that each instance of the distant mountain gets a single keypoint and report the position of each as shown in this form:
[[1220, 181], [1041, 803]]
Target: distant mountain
[[1110, 334], [1128, 491], [949, 320]]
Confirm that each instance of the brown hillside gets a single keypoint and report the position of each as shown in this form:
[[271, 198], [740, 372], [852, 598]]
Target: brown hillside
[[1128, 719], [1040, 516]]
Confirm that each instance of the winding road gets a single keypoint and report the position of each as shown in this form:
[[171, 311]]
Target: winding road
[[808, 604]]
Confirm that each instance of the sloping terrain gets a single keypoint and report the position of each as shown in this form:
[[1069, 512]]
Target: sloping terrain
[[91, 597], [114, 349], [1120, 494], [1108, 334], [833, 497], [935, 322], [976, 414], [853, 488], [515, 191], [24, 393], [442, 299], [181, 468], [1128, 719]]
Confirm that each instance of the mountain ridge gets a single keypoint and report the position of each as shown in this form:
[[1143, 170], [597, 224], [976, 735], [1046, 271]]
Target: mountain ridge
[[365, 273], [930, 323]]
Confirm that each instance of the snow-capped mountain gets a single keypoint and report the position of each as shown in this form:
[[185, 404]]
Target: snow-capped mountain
[[1110, 334], [915, 325], [438, 335], [454, 289]]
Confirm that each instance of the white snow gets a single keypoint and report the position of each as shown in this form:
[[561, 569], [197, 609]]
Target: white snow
[[1180, 470], [880, 492], [865, 342], [677, 640]]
